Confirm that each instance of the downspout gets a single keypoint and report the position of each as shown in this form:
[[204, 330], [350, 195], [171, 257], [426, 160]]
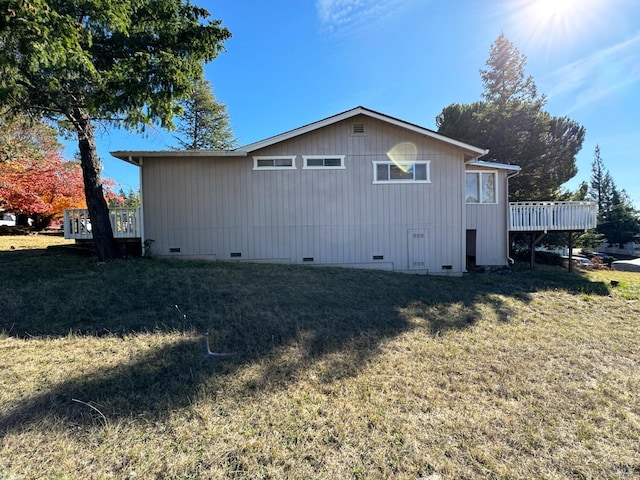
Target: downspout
[[510, 260]]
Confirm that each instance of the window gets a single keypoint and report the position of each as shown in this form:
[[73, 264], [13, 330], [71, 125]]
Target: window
[[390, 172], [481, 187], [274, 163], [323, 161]]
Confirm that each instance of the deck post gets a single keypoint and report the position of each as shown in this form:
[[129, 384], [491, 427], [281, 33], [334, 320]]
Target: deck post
[[570, 245], [532, 245]]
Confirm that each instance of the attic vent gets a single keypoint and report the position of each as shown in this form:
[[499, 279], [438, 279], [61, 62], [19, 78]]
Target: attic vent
[[357, 129]]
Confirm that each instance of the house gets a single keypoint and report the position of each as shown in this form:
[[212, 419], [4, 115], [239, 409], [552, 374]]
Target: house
[[358, 189]]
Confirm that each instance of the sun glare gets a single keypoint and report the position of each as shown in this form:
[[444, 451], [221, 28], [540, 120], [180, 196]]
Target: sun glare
[[554, 23], [553, 9]]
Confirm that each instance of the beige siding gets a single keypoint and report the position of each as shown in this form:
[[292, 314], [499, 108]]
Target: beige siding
[[212, 207]]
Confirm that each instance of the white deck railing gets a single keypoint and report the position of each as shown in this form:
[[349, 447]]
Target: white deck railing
[[125, 223], [545, 216]]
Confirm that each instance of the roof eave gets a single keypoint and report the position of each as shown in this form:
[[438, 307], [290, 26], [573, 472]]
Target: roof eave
[[134, 156], [500, 166]]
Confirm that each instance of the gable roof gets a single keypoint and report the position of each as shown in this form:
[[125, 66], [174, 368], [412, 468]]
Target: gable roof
[[471, 152], [475, 152]]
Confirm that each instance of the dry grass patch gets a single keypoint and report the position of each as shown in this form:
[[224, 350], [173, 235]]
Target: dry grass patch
[[341, 374], [30, 242]]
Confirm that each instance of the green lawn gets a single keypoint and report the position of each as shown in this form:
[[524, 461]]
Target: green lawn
[[336, 373]]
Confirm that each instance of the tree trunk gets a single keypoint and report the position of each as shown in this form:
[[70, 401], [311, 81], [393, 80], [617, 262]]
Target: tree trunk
[[103, 240]]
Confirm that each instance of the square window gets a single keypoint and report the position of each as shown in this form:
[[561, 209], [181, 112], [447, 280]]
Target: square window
[[480, 187]]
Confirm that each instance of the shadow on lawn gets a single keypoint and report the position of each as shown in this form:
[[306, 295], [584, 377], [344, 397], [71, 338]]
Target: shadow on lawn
[[258, 311]]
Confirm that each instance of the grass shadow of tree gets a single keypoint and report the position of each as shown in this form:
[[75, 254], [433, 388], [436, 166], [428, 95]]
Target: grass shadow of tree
[[261, 312]]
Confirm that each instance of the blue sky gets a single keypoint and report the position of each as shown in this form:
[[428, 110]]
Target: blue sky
[[292, 62]]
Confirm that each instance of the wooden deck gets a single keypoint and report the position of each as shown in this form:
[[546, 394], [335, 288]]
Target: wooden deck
[[552, 216], [125, 222]]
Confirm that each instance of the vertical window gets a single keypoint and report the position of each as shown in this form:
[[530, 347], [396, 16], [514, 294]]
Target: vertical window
[[480, 187], [389, 172], [472, 192]]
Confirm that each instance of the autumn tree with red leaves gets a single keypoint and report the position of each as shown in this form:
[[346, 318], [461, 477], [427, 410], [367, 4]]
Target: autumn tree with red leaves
[[35, 180], [41, 188]]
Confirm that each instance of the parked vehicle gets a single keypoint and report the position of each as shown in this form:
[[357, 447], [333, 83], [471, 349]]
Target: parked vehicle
[[7, 220], [582, 262]]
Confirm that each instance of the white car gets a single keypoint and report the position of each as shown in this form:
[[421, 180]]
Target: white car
[[7, 220]]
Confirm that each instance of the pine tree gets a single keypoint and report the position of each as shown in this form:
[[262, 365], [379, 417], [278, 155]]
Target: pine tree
[[204, 124], [599, 179], [618, 221], [510, 121]]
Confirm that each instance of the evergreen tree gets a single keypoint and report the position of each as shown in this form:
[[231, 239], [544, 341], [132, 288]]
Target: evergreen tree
[[599, 179], [511, 123], [204, 124], [618, 221], [620, 224], [130, 199]]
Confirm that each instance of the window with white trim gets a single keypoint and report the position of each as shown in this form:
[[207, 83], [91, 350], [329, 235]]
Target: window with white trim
[[391, 172], [323, 161], [481, 187], [275, 163]]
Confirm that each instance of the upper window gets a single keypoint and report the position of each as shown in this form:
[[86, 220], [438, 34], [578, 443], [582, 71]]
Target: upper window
[[390, 172], [481, 187], [323, 161], [274, 163]]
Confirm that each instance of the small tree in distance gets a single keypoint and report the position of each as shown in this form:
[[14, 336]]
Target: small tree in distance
[[618, 221], [204, 124]]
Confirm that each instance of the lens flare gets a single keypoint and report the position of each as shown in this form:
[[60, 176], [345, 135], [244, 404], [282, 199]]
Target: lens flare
[[403, 155]]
